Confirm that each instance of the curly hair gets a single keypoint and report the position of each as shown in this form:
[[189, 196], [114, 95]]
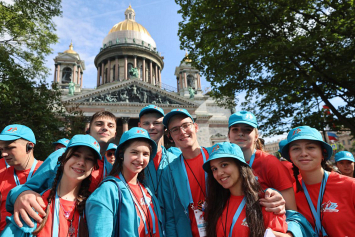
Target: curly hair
[[83, 193]]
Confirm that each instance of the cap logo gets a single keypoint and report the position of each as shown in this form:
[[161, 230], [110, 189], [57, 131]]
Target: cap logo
[[12, 129], [216, 148], [348, 154], [249, 116], [296, 131], [97, 144], [66, 141], [140, 131]]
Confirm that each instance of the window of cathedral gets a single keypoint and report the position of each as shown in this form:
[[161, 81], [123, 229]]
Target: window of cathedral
[[66, 75], [141, 72], [129, 67]]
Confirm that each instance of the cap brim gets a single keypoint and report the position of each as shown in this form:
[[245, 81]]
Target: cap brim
[[245, 122], [150, 110], [207, 166], [346, 158], [84, 144], [167, 117], [151, 142], [9, 138]]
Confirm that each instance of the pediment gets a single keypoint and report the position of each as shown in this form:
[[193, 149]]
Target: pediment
[[67, 57], [132, 91]]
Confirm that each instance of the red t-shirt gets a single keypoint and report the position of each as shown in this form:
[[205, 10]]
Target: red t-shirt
[[289, 165], [270, 172], [157, 159], [197, 195], [272, 221], [7, 182], [64, 224], [338, 205], [138, 194], [97, 176]]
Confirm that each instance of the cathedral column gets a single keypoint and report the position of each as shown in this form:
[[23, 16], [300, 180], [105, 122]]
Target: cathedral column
[[159, 77], [98, 75], [55, 74], [135, 61], [109, 71], [81, 81], [143, 70], [156, 75], [116, 70], [177, 84], [185, 80], [78, 76], [198, 81], [125, 68], [180, 80], [58, 73], [125, 124], [151, 72], [74, 74], [102, 73]]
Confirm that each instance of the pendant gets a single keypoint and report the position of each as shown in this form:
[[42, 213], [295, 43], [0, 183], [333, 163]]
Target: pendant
[[66, 214], [71, 230]]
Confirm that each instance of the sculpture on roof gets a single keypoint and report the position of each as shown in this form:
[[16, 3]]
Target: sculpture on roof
[[134, 72], [71, 88]]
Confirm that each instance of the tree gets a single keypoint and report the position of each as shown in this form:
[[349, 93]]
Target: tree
[[289, 56], [26, 32]]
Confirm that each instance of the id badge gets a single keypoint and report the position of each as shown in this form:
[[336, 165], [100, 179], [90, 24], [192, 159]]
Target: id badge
[[201, 223]]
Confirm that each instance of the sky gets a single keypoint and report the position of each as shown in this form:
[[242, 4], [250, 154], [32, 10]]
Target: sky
[[86, 23]]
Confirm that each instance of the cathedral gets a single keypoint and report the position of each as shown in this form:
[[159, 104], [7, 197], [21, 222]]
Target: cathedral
[[129, 78]]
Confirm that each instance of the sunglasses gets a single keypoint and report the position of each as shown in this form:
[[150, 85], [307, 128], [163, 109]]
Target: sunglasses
[[110, 153]]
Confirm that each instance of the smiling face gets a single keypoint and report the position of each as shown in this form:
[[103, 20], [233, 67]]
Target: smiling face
[[153, 123], [135, 158], [14, 152], [306, 154], [226, 172], [243, 135], [103, 129], [183, 138], [346, 167], [80, 164]]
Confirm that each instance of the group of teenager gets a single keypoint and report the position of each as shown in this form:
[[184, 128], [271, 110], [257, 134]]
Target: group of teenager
[[92, 187]]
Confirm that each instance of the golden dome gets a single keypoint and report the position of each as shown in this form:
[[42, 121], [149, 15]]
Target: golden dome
[[129, 25], [70, 50]]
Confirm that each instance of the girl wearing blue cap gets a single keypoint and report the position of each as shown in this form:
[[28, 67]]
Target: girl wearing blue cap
[[123, 205], [326, 199], [232, 202], [65, 201], [344, 160]]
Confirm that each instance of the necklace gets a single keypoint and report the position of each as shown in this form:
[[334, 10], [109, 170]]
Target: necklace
[[66, 214]]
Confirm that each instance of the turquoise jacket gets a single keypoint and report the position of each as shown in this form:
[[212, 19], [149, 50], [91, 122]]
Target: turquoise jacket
[[42, 179], [12, 230], [101, 211]]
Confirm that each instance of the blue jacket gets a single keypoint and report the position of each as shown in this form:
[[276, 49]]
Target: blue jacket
[[298, 225], [42, 179], [101, 211], [12, 230]]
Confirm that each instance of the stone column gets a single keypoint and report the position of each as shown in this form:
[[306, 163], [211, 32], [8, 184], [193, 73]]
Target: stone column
[[116, 71], [125, 124], [156, 75], [81, 80], [151, 72], [125, 68], [185, 80], [177, 84], [198, 81], [98, 75], [181, 83], [55, 73], [78, 80], [109, 71], [102, 73], [159, 71], [58, 73], [135, 61], [143, 70], [74, 74]]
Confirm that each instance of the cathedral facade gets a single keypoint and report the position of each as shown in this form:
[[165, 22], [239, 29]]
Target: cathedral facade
[[129, 78]]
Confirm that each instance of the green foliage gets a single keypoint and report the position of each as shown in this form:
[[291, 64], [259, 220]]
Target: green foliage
[[26, 32], [287, 55]]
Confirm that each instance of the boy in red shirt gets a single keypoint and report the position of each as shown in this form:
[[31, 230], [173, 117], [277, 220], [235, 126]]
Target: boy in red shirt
[[18, 164]]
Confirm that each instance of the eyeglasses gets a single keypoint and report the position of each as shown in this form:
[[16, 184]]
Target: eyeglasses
[[110, 153], [184, 127]]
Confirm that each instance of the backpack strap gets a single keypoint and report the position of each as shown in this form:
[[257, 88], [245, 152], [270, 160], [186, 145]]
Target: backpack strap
[[118, 226]]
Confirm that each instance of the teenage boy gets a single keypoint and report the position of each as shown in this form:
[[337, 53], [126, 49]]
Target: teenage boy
[[17, 164], [21, 200], [184, 184]]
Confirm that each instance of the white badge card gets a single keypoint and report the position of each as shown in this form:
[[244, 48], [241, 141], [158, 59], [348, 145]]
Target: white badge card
[[201, 223], [269, 233]]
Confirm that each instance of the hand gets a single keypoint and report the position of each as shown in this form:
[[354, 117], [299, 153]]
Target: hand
[[279, 234], [273, 202], [23, 206]]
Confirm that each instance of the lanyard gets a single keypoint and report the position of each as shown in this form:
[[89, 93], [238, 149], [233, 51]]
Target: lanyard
[[316, 213], [252, 159], [7, 165], [29, 174], [158, 177], [104, 175], [187, 177], [139, 207], [236, 216]]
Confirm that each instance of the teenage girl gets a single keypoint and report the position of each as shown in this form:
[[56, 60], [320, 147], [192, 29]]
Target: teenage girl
[[122, 196], [65, 201], [344, 160], [326, 199], [243, 131], [233, 193]]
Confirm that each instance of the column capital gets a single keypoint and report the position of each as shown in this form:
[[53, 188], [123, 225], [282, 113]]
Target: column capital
[[125, 119]]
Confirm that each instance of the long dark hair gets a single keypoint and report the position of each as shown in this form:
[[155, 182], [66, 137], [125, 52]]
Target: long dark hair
[[118, 165], [82, 195], [218, 196]]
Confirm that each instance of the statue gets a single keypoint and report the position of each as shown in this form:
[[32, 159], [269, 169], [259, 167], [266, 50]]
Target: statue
[[192, 92], [134, 72], [71, 88]]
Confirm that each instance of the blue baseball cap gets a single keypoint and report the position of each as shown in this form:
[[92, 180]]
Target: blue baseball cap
[[282, 143], [63, 141], [85, 140], [111, 146], [243, 117], [224, 150], [344, 155], [135, 133], [151, 109], [174, 112], [17, 131], [305, 133]]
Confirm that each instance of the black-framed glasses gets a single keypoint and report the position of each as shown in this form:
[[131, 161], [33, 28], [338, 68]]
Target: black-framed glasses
[[184, 127], [110, 153]]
